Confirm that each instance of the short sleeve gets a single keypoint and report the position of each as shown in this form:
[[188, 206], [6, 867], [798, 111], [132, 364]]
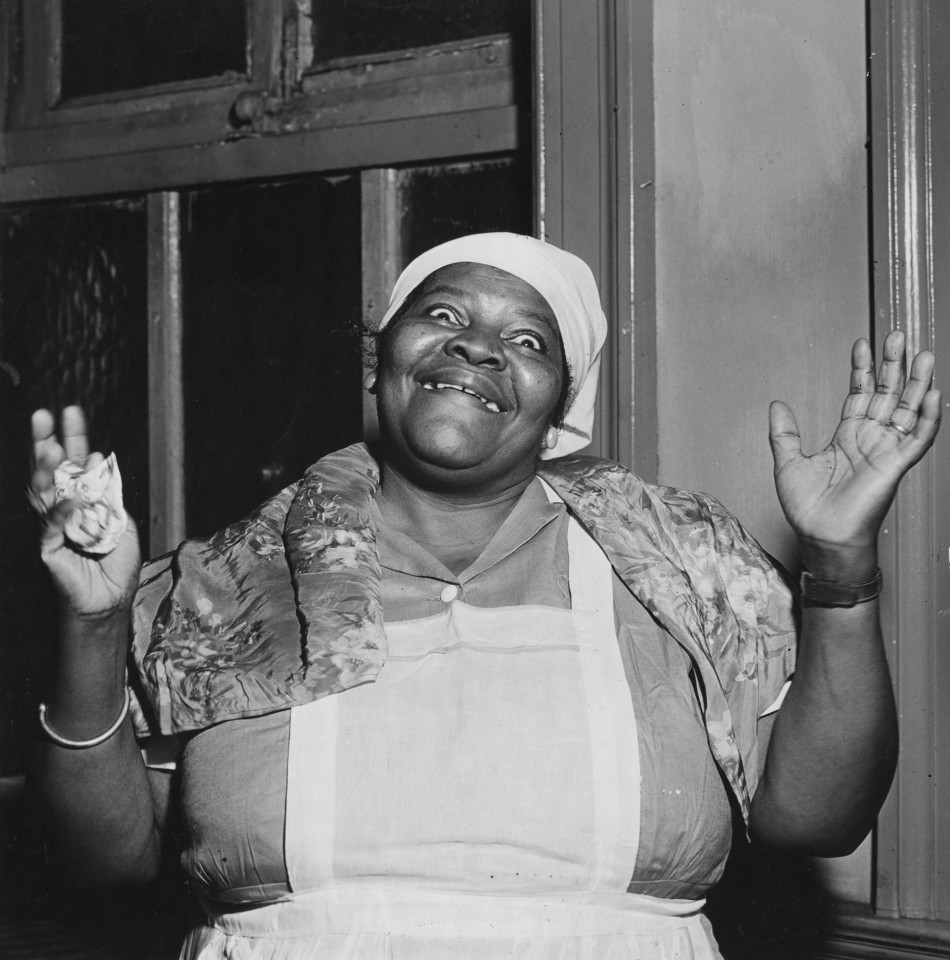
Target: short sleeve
[[756, 649]]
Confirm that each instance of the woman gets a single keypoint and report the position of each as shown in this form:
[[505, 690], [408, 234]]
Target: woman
[[446, 700]]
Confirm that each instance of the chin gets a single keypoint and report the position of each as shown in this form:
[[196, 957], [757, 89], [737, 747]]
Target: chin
[[448, 449]]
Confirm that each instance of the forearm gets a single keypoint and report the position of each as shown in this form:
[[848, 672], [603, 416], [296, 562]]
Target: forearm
[[96, 802], [833, 748]]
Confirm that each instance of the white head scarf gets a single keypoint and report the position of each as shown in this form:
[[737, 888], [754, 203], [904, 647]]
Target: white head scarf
[[567, 284]]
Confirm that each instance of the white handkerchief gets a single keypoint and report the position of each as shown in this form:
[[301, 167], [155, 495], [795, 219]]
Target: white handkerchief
[[100, 520]]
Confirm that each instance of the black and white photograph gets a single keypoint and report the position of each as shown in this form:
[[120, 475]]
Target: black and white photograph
[[471, 480]]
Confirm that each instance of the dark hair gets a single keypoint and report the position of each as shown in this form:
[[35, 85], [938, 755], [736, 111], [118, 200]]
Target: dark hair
[[374, 350]]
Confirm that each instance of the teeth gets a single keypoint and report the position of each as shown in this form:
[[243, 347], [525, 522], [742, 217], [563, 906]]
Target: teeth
[[490, 404]]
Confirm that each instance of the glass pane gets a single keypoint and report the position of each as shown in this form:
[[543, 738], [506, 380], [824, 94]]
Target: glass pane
[[445, 202], [73, 329], [372, 26], [272, 370], [113, 45]]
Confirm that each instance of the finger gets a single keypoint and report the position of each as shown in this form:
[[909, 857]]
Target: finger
[[862, 381], [42, 424], [890, 379], [52, 530], [918, 383], [784, 436], [75, 440], [928, 423], [47, 456]]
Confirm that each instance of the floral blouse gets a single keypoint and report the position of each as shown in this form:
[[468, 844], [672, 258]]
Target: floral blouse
[[284, 607]]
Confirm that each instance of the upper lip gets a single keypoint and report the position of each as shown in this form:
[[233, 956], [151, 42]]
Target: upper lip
[[475, 384]]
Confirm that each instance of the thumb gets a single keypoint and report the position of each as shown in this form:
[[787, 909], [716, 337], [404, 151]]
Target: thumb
[[784, 437], [52, 527]]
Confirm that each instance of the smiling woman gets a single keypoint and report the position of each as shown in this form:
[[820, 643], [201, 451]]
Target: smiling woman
[[495, 340], [469, 694]]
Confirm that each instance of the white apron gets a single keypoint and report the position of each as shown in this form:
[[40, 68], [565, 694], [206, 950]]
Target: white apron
[[479, 801]]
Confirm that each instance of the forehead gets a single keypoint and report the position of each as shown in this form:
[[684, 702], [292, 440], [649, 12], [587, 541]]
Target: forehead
[[481, 280]]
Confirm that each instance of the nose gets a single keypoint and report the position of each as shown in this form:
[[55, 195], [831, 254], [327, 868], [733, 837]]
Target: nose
[[477, 347]]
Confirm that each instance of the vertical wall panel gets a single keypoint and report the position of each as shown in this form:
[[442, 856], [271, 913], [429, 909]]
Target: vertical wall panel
[[762, 242], [910, 82]]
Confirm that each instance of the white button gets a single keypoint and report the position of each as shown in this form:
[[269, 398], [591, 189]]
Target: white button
[[449, 593]]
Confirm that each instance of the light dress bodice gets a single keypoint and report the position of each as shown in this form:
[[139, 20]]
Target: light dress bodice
[[480, 800]]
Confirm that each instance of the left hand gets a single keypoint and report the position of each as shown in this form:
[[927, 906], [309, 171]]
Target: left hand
[[836, 499]]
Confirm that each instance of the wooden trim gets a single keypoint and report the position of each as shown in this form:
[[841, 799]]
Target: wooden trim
[[265, 34], [165, 386], [414, 140], [865, 937], [638, 443], [383, 259], [8, 35], [595, 147], [118, 132], [572, 139], [452, 78], [34, 41], [53, 41], [913, 840], [141, 101]]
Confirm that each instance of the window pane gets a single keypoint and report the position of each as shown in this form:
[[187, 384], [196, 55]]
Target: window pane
[[272, 365], [445, 202], [372, 26], [73, 329], [113, 45]]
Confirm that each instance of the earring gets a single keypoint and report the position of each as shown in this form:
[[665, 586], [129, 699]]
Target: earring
[[550, 439], [369, 382]]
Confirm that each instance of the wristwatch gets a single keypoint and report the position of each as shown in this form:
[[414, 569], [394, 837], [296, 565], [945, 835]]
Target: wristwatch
[[830, 593]]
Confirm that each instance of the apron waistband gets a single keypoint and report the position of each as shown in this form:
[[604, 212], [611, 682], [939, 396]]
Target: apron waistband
[[380, 910]]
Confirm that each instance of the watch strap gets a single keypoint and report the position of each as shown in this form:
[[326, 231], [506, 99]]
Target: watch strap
[[831, 593]]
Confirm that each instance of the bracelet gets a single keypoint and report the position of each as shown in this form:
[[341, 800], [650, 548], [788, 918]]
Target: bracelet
[[830, 593], [82, 744]]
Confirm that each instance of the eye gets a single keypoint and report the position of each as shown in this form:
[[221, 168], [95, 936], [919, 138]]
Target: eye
[[530, 340], [442, 313]]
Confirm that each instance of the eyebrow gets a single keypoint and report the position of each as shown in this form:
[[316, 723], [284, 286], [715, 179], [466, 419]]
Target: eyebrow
[[552, 325]]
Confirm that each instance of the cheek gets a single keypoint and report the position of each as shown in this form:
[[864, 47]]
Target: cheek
[[545, 390]]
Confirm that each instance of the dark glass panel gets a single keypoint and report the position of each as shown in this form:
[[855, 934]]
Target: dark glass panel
[[272, 364], [448, 201], [360, 27], [73, 329], [114, 45]]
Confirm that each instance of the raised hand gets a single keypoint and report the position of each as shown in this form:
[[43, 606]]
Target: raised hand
[[91, 586], [836, 499]]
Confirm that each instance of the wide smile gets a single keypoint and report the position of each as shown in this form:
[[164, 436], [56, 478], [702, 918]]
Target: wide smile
[[488, 404]]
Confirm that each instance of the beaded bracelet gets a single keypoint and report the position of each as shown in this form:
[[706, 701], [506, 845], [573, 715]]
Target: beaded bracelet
[[82, 744]]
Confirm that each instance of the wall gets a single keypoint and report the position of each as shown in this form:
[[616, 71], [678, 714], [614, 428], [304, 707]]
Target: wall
[[762, 246]]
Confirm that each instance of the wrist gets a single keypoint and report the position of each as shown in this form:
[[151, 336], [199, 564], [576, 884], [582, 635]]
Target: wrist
[[836, 563]]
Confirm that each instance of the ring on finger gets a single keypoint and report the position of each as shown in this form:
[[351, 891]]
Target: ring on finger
[[899, 428]]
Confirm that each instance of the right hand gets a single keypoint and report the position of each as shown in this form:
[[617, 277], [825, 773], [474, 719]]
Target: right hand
[[93, 587]]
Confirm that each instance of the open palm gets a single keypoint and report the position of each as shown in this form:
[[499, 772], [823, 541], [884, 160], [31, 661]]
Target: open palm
[[839, 496]]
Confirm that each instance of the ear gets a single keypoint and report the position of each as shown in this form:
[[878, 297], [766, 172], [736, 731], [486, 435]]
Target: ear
[[550, 438], [369, 382]]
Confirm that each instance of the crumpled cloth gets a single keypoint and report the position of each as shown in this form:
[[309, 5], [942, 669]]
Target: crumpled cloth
[[99, 521]]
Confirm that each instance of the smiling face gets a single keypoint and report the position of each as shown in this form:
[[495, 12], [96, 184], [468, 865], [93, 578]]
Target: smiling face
[[470, 379]]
